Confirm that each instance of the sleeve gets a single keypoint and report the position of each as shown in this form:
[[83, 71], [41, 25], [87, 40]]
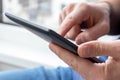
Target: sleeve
[[40, 73]]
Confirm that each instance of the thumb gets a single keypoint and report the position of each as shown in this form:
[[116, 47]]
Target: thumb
[[97, 48]]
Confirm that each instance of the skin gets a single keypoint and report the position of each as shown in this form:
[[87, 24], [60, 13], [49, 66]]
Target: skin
[[88, 70], [97, 17]]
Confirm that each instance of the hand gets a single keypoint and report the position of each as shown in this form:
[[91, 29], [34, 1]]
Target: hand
[[96, 15], [110, 70]]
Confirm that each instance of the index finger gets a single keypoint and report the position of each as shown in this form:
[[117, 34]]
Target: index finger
[[75, 17]]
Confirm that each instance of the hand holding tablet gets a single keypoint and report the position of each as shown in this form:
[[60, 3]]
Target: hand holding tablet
[[48, 35]]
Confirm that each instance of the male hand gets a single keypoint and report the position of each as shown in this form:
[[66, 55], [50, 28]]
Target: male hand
[[110, 70], [96, 16]]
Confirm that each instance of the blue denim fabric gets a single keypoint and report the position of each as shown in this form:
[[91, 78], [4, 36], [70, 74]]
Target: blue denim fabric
[[40, 73]]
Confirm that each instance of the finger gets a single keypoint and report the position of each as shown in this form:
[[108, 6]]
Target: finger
[[60, 18], [70, 7], [101, 28], [73, 32], [83, 66], [97, 48], [75, 17], [66, 10]]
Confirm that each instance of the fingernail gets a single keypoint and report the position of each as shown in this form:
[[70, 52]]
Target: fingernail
[[84, 51], [78, 41]]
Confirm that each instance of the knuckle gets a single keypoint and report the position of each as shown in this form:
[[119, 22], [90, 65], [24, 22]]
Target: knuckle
[[98, 48], [86, 37], [71, 19], [83, 54], [83, 51], [68, 8], [71, 5], [84, 6]]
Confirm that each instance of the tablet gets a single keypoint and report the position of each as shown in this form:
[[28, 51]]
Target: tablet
[[48, 35]]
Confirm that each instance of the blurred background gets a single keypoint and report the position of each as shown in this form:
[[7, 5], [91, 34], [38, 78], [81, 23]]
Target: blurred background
[[43, 12], [20, 48]]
